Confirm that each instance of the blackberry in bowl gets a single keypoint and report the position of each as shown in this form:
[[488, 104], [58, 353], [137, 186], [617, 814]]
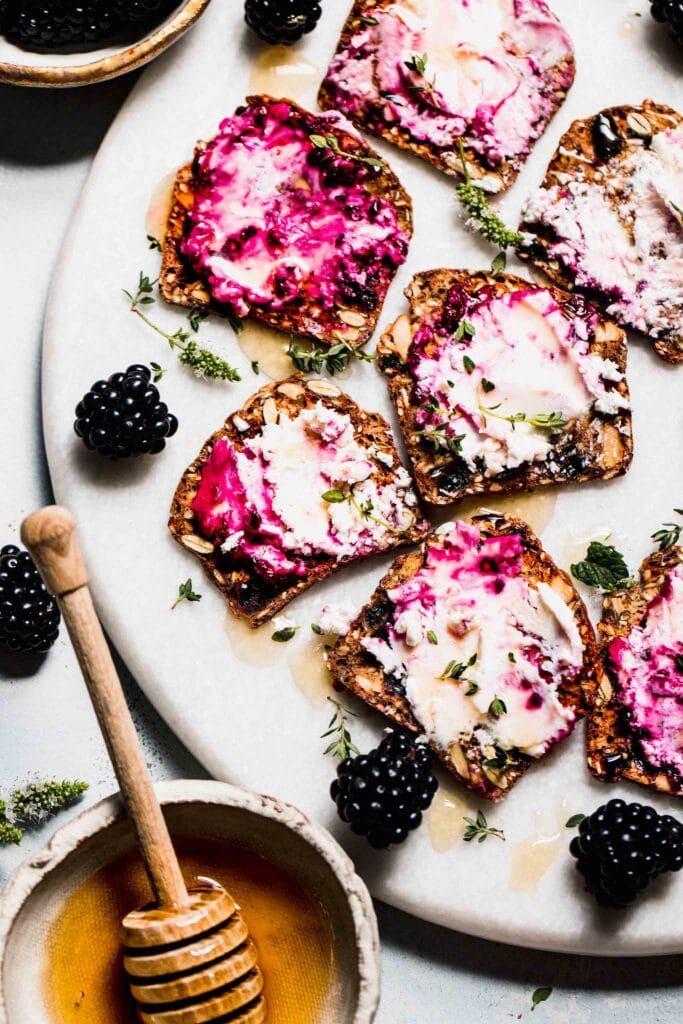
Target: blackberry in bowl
[[77, 42]]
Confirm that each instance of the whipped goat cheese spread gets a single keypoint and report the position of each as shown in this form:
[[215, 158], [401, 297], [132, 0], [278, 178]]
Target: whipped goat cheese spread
[[620, 233], [264, 499], [280, 223], [490, 392], [483, 70], [647, 669], [479, 649]]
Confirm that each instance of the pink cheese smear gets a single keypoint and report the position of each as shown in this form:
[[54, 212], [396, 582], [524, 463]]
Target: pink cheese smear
[[279, 223], [648, 671], [490, 75]]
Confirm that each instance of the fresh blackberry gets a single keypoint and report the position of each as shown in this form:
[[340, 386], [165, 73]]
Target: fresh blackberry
[[123, 416], [281, 21], [622, 847], [382, 794], [669, 12], [66, 25], [29, 616], [141, 12]]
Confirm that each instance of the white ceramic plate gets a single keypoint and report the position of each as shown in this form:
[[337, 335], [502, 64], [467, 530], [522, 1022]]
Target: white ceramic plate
[[250, 709]]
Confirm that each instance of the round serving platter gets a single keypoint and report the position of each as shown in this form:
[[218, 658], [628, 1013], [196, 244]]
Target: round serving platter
[[253, 710]]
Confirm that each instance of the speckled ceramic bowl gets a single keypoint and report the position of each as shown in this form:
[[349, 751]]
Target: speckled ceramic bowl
[[21, 67], [39, 889]]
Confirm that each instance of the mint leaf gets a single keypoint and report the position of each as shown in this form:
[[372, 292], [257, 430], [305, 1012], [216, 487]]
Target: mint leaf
[[603, 567]]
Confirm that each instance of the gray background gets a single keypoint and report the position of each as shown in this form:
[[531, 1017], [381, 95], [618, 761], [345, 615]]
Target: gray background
[[47, 728]]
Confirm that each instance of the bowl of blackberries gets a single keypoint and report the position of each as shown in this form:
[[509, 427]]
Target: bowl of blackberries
[[78, 42]]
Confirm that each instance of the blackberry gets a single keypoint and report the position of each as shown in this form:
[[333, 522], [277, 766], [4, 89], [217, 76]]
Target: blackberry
[[669, 12], [29, 616], [382, 795], [622, 847], [67, 25], [281, 21], [141, 12], [123, 416]]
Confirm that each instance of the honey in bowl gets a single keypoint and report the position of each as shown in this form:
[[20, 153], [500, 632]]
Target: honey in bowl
[[84, 980]]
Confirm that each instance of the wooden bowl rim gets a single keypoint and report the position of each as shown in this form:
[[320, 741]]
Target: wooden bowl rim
[[106, 67], [96, 819]]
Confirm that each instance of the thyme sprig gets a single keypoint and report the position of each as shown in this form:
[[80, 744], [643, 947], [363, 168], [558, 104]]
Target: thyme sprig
[[488, 223], [342, 745], [418, 65], [205, 363], [437, 435], [365, 509], [334, 359], [186, 593], [331, 143], [670, 533], [478, 828], [541, 420]]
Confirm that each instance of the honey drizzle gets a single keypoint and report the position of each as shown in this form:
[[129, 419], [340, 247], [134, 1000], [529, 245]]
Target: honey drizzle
[[84, 981]]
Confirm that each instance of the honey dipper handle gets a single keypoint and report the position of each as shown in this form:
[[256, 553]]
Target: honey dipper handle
[[50, 536]]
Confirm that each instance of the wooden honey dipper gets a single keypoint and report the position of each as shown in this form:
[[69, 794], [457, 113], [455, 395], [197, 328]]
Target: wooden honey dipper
[[188, 955]]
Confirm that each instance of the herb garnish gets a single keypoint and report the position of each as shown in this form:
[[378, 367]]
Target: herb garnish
[[479, 829], [488, 223], [540, 995], [282, 636], [575, 820], [154, 243], [432, 637], [204, 362], [369, 20], [334, 359], [456, 669], [418, 65], [34, 804], [468, 364], [186, 593], [342, 746], [500, 761], [497, 707], [670, 533], [157, 371], [499, 263], [541, 420], [197, 316], [603, 567], [337, 495], [331, 143], [487, 385], [255, 368]]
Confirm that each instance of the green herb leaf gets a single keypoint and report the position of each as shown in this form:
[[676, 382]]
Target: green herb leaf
[[464, 330], [540, 995], [334, 359], [456, 669], [501, 761], [334, 496], [186, 593], [197, 317], [38, 801], [476, 202], [157, 372], [331, 143], [575, 820], [316, 629], [499, 264], [154, 243], [432, 637], [511, 657], [603, 567], [368, 20], [472, 689], [479, 829], [342, 746], [255, 368], [487, 385], [497, 707], [468, 364], [281, 636], [670, 533]]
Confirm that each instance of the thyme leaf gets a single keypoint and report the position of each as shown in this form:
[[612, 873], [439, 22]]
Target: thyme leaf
[[186, 593], [342, 745], [478, 828]]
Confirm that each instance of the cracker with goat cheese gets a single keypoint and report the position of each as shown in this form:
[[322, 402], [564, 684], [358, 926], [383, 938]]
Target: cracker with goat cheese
[[297, 483], [635, 730], [448, 79], [288, 217], [479, 643], [608, 219], [502, 385]]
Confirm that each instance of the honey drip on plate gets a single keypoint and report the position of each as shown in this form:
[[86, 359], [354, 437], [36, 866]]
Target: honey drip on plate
[[280, 73], [268, 348], [160, 207], [84, 981], [253, 646], [531, 857], [309, 671], [534, 507], [445, 818]]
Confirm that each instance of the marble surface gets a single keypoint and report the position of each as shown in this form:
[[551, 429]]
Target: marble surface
[[47, 728]]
